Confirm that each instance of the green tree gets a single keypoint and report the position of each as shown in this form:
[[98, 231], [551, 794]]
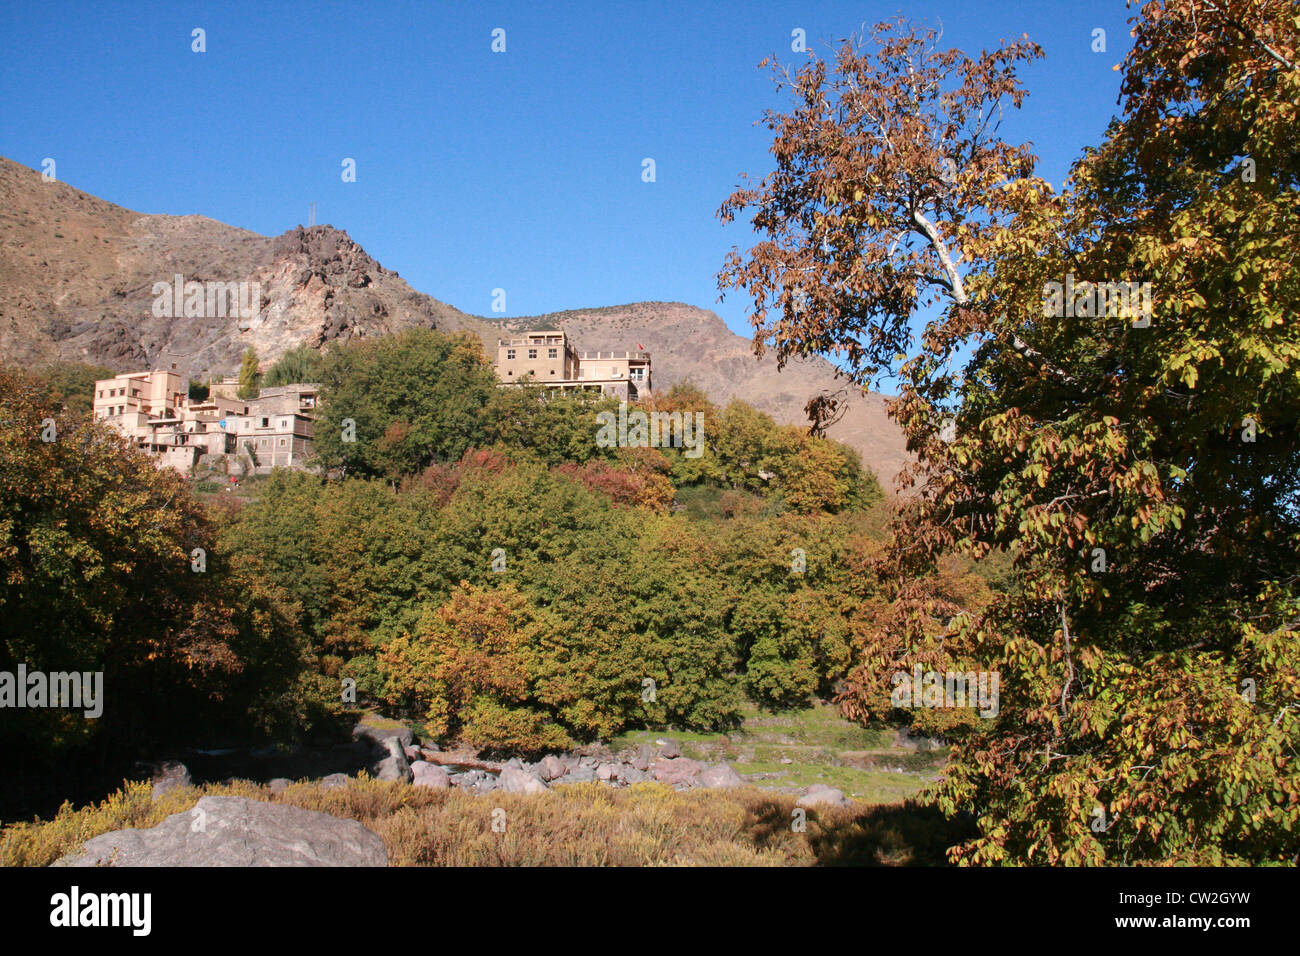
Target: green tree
[[250, 375], [71, 385], [394, 405], [108, 564], [301, 364]]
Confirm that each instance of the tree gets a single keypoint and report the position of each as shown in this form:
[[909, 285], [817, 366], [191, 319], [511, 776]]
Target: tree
[[108, 564], [473, 670], [887, 168], [71, 385], [1140, 469], [394, 405], [250, 375], [301, 364]]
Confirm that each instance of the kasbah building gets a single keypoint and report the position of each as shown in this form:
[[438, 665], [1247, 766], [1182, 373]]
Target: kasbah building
[[274, 430]]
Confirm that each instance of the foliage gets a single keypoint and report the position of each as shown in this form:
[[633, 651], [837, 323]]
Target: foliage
[[411, 399], [301, 364], [88, 528], [250, 375], [71, 385], [1141, 476]]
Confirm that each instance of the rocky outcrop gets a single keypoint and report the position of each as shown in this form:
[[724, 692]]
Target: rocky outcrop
[[234, 831]]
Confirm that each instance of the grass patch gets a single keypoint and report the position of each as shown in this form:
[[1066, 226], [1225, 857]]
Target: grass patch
[[579, 825], [794, 749]]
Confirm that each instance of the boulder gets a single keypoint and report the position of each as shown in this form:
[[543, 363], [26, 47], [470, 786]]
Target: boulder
[[578, 775], [719, 776], [820, 795], [376, 735], [633, 775], [551, 768], [394, 766], [669, 748], [235, 831], [334, 780], [425, 774], [676, 770], [166, 775], [643, 757], [608, 772], [515, 780], [278, 784]]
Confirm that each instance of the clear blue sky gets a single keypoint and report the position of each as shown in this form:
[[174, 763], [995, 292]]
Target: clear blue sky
[[477, 170]]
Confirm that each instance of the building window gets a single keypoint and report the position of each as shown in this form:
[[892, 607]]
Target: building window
[[281, 442], [532, 353], [266, 423], [552, 353], [510, 354]]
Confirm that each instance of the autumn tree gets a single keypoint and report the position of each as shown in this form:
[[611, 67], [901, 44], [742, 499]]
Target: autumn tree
[[1138, 464], [108, 564]]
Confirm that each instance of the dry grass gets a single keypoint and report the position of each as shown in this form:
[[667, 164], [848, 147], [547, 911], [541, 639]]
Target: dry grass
[[581, 825]]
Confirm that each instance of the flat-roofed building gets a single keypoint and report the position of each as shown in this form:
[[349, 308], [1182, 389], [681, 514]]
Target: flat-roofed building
[[549, 358], [151, 409]]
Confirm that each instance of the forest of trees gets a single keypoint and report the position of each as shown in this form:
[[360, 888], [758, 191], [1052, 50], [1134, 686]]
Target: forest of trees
[[1104, 508]]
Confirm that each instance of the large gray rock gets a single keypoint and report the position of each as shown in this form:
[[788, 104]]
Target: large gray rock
[[425, 774], [669, 748], [376, 736], [334, 781], [394, 766], [676, 770], [720, 776], [234, 831], [551, 768], [609, 771], [633, 775], [515, 780], [578, 775], [820, 795]]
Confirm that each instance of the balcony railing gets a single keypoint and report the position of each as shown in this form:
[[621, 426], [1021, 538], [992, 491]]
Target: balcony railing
[[635, 356]]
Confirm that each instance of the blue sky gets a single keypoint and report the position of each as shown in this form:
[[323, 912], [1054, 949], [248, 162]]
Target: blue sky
[[479, 170]]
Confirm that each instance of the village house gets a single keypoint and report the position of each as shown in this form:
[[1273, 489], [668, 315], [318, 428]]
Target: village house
[[243, 435], [549, 358]]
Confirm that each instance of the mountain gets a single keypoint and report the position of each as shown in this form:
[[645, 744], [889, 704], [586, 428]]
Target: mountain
[[688, 344], [77, 277], [77, 283]]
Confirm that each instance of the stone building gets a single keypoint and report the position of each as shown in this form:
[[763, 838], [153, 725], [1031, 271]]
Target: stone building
[[549, 358], [253, 435]]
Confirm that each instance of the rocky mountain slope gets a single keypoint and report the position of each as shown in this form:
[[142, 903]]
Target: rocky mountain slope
[[77, 279], [694, 345]]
